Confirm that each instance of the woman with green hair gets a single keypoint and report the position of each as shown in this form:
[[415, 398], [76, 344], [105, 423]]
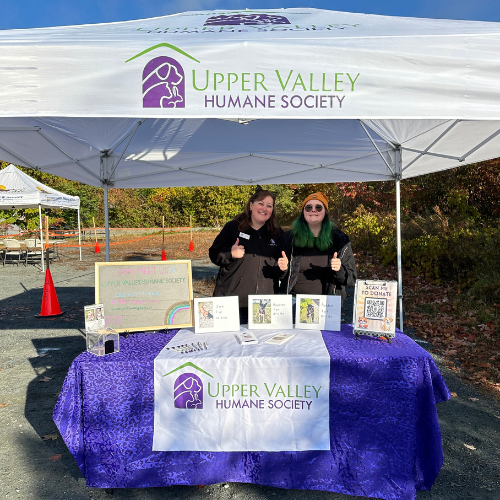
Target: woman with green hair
[[316, 258]]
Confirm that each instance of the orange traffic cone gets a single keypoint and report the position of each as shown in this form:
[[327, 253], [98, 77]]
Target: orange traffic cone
[[163, 256], [50, 304], [97, 249], [191, 246]]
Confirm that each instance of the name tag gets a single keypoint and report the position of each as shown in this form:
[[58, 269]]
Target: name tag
[[246, 236]]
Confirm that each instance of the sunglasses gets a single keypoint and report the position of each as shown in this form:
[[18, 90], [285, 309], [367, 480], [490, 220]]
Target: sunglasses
[[309, 208]]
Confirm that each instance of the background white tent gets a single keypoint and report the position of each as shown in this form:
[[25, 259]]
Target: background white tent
[[19, 190], [244, 97]]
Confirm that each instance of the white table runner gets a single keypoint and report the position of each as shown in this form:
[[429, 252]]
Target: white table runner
[[243, 398]]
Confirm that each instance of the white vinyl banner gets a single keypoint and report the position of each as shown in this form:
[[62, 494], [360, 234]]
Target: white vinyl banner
[[286, 63], [231, 397]]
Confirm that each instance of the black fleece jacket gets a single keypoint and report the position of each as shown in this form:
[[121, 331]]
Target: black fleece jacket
[[334, 282], [256, 272]]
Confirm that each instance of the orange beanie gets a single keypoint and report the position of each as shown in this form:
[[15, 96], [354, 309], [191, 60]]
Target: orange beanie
[[316, 196]]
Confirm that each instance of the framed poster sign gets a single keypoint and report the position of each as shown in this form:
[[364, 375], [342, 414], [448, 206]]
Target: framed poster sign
[[151, 295], [267, 312], [217, 314], [374, 311], [318, 312]]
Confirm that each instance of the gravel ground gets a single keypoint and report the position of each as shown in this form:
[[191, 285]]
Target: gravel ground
[[33, 348]]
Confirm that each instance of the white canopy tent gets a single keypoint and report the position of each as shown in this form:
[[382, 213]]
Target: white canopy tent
[[19, 190], [245, 97]]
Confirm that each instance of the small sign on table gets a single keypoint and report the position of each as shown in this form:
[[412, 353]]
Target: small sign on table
[[100, 340], [216, 314], [375, 308], [270, 312], [318, 312], [94, 317]]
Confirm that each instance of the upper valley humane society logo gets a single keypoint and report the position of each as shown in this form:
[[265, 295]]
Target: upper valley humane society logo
[[189, 389], [163, 79], [166, 82], [163, 84]]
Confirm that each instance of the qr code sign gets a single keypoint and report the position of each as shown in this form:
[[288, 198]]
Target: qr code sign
[[375, 308]]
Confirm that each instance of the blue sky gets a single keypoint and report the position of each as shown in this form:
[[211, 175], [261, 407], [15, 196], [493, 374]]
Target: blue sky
[[39, 13]]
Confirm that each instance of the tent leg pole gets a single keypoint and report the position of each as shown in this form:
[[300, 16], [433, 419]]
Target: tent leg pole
[[79, 235], [398, 237], [106, 221], [41, 236]]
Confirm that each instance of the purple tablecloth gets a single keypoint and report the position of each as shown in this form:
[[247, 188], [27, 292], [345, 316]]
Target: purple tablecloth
[[384, 429]]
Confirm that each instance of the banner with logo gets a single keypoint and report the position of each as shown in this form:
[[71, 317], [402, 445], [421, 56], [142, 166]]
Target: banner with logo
[[230, 397], [286, 63]]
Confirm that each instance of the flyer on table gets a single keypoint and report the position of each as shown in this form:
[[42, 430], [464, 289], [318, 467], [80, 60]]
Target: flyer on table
[[270, 312], [318, 311], [216, 314]]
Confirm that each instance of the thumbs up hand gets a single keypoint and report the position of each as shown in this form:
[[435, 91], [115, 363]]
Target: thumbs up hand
[[283, 262], [335, 263], [237, 250]]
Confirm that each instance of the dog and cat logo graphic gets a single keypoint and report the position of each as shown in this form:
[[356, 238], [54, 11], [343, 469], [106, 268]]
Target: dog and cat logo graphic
[[188, 388], [163, 84]]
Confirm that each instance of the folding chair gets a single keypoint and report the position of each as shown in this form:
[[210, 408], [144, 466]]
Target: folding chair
[[12, 248], [33, 249]]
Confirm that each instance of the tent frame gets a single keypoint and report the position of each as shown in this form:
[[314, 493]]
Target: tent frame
[[106, 174], [391, 155], [41, 236]]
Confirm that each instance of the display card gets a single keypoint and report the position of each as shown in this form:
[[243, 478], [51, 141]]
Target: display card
[[94, 317], [375, 308], [313, 312], [270, 312], [216, 314]]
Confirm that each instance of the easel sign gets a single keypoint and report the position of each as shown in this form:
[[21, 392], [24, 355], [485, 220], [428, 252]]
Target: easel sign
[[139, 296], [375, 308], [313, 312], [270, 312], [217, 314]]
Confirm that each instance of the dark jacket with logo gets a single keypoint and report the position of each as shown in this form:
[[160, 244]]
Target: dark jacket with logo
[[255, 273], [333, 282]]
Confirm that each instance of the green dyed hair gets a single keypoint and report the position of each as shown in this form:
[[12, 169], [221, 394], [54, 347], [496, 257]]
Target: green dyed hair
[[303, 237]]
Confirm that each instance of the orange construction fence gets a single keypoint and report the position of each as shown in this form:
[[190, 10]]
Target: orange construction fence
[[53, 233]]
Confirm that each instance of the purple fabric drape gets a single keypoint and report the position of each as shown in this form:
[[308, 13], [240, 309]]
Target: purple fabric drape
[[384, 429]]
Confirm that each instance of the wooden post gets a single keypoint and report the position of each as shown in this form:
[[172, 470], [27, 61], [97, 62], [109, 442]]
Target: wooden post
[[47, 250], [95, 231], [163, 231]]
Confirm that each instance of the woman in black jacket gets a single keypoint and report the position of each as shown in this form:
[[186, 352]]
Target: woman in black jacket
[[316, 258], [246, 250]]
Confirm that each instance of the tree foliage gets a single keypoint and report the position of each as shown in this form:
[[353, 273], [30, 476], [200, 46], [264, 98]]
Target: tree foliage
[[449, 219]]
